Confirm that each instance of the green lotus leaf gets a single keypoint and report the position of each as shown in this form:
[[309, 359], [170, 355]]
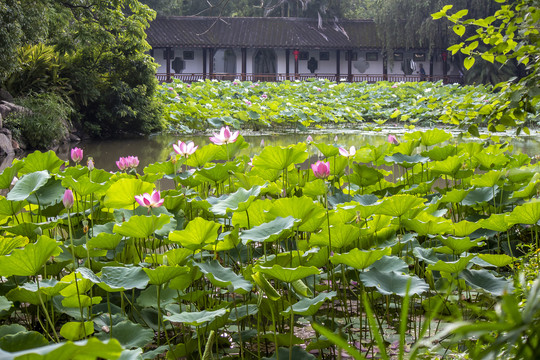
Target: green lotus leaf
[[434, 136], [439, 153], [265, 286], [84, 301], [287, 275], [364, 175], [256, 212], [398, 205], [231, 150], [360, 259], [8, 244], [315, 188], [6, 177], [203, 155], [84, 186], [87, 349], [27, 185], [328, 150], [130, 335], [488, 179], [38, 161], [5, 305], [498, 260], [21, 341], [452, 267], [217, 172], [27, 229], [123, 278], [270, 231], [28, 261], [407, 147], [529, 190], [11, 329], [449, 166], [163, 274], [489, 160], [390, 263], [104, 241], [460, 245], [337, 165], [237, 201], [140, 226], [485, 280], [227, 240], [312, 214], [405, 160], [10, 208], [49, 194], [391, 282], [197, 234], [297, 353], [28, 292], [480, 195], [300, 288], [240, 312], [163, 168], [432, 226], [308, 307], [121, 194], [224, 277], [464, 228], [527, 213], [197, 318], [340, 236], [279, 158], [496, 222], [77, 330]]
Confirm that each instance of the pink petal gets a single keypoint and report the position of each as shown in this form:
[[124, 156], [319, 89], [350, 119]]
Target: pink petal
[[343, 152]]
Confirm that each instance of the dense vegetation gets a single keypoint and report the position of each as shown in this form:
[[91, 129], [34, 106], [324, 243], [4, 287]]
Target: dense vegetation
[[421, 245], [319, 103]]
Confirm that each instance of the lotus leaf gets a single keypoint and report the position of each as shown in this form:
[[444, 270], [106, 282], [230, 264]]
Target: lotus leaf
[[163, 274], [270, 231], [28, 185], [392, 282], [308, 307], [237, 201], [224, 277], [451, 266], [123, 278], [527, 213], [483, 279], [310, 213], [197, 234], [28, 261], [359, 259], [280, 158], [21, 341], [122, 193], [77, 330], [197, 318], [142, 226], [38, 161], [498, 260], [398, 205], [287, 275]]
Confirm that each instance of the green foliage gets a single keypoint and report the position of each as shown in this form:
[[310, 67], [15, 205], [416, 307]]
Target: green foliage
[[46, 123]]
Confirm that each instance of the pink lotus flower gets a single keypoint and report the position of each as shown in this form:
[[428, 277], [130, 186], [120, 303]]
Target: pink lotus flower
[[150, 201], [90, 163], [309, 139], [130, 162], [235, 82], [393, 140], [394, 86], [262, 142], [225, 136], [350, 153], [247, 102], [170, 88], [76, 155], [68, 199], [185, 149], [264, 96], [321, 169], [319, 89]]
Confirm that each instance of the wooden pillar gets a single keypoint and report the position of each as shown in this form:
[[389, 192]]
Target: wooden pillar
[[338, 63], [431, 68], [211, 63], [204, 63], [385, 65], [244, 64], [296, 52], [168, 52], [287, 56], [349, 66]]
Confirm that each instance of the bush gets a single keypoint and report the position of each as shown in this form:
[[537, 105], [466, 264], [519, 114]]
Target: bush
[[46, 122]]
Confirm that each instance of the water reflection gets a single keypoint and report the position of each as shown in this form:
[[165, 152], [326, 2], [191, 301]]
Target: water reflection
[[158, 148]]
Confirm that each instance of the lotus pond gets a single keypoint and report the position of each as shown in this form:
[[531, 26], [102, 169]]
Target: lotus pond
[[274, 256]]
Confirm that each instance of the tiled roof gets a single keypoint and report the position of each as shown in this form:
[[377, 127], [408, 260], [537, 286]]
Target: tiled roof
[[297, 33]]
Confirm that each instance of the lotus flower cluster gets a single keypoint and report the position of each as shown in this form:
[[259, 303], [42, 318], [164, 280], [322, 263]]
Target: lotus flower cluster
[[225, 136], [185, 149], [321, 169], [129, 162], [153, 200], [76, 155]]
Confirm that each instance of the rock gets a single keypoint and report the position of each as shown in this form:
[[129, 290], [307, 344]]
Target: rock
[[74, 138], [6, 147], [5, 131], [5, 95]]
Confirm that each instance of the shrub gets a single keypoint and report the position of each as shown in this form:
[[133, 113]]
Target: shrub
[[46, 122]]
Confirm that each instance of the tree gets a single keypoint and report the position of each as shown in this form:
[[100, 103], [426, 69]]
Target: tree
[[511, 34]]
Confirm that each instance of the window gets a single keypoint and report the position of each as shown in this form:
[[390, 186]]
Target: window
[[419, 57], [324, 55], [189, 55], [372, 56], [398, 56], [304, 55]]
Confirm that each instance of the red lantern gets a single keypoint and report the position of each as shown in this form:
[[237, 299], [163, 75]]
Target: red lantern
[[444, 56], [296, 53]]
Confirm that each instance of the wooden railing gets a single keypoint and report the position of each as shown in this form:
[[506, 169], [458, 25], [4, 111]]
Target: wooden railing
[[372, 78]]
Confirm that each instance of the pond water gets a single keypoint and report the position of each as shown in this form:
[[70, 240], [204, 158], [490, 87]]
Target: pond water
[[157, 148]]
